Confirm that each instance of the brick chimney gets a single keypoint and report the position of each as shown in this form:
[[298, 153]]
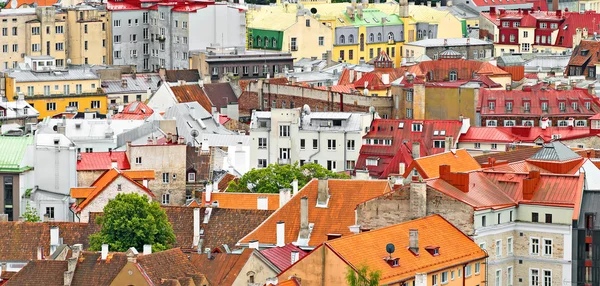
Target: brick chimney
[[413, 235], [418, 199], [323, 193], [530, 184], [458, 180], [304, 230]]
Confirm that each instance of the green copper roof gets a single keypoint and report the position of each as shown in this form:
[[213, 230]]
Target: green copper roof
[[13, 150], [373, 17]]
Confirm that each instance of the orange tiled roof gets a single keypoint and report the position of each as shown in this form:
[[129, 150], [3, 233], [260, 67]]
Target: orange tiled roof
[[429, 167], [433, 231], [242, 201], [224, 182], [81, 193], [104, 180], [139, 174], [31, 2], [335, 218]]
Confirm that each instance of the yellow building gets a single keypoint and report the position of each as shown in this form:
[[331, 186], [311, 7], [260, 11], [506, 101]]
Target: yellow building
[[425, 251], [87, 37], [51, 90]]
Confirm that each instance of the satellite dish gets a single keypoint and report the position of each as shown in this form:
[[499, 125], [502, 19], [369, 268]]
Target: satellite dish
[[313, 10], [68, 61], [372, 109], [390, 248], [194, 133]]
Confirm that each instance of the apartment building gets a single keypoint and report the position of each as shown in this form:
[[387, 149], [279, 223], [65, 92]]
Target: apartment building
[[162, 35], [286, 136], [87, 35]]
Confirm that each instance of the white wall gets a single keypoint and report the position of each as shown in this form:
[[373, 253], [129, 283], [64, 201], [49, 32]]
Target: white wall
[[162, 99], [219, 24]]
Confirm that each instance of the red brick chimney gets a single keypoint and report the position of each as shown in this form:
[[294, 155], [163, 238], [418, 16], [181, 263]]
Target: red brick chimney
[[530, 184], [492, 10], [458, 180]]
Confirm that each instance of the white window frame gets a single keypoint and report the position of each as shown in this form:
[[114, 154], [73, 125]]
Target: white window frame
[[444, 277], [165, 198], [544, 277], [468, 271], [498, 277], [531, 246], [351, 145], [509, 245], [331, 144], [531, 282], [544, 245], [491, 123], [284, 131], [262, 146], [166, 178], [477, 268], [509, 275], [191, 177], [138, 160], [498, 248]]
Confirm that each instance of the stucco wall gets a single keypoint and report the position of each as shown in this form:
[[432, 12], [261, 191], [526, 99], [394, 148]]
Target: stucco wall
[[256, 267], [86, 178]]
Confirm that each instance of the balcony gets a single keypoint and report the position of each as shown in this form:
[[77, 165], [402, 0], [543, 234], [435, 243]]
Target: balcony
[[282, 161]]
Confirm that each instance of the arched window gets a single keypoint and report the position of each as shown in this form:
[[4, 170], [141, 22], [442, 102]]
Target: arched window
[[453, 76], [371, 38], [430, 35], [580, 123], [562, 123], [379, 37], [351, 39], [362, 42], [528, 123], [419, 35], [342, 39], [390, 36], [266, 42], [274, 42], [258, 41]]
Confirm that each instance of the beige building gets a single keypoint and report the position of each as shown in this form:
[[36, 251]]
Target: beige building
[[87, 35]]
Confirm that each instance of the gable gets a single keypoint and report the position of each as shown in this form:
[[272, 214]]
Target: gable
[[130, 275], [97, 203]]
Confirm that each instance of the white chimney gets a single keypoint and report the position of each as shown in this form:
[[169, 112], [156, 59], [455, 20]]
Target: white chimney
[[385, 78], [147, 249], [413, 235], [208, 190], [104, 251], [295, 256], [544, 123], [284, 196], [401, 169], [148, 92], [253, 244], [201, 83], [54, 240], [262, 203], [466, 124], [280, 234], [196, 222], [295, 186], [114, 164], [571, 121]]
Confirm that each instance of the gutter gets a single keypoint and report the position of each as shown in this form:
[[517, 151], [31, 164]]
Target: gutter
[[318, 146]]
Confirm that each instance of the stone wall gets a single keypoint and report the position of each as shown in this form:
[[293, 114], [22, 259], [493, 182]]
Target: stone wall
[[86, 178]]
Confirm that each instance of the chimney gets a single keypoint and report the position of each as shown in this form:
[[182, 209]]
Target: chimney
[[196, 238], [530, 184], [295, 187], [401, 169], [104, 251], [284, 196], [438, 4], [544, 123], [295, 256], [458, 180], [40, 253], [148, 247], [385, 78], [76, 249], [181, 140], [492, 10], [148, 92], [113, 163], [304, 231], [54, 237], [449, 143], [78, 156], [201, 83], [418, 199], [413, 235], [416, 150], [208, 191], [558, 13], [323, 192], [253, 244], [449, 3], [123, 82], [174, 138], [280, 234]]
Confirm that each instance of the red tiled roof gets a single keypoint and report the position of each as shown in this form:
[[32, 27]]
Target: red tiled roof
[[487, 134], [535, 99], [134, 111], [348, 88], [124, 5], [481, 3], [281, 256], [374, 78], [102, 161], [428, 167], [40, 272], [402, 143], [191, 93], [92, 270], [524, 134], [166, 264], [508, 156], [222, 268], [223, 119], [439, 70], [224, 182], [31, 2], [577, 21]]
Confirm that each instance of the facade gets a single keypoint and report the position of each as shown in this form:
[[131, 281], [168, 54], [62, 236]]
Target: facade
[[52, 90], [129, 88], [87, 35], [472, 49], [584, 59], [90, 166], [214, 63], [162, 36], [416, 258], [18, 112], [286, 136], [15, 173]]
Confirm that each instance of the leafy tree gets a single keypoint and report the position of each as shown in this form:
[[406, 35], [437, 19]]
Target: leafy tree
[[31, 214], [362, 277], [275, 177], [131, 221]]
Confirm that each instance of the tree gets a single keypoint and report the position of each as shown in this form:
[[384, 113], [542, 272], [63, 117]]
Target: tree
[[31, 214], [131, 221], [275, 177], [362, 277]]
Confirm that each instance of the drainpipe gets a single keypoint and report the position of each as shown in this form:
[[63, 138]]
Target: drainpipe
[[464, 274], [318, 146], [345, 148]]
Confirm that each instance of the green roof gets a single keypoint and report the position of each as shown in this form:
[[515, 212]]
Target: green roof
[[373, 17], [13, 150]]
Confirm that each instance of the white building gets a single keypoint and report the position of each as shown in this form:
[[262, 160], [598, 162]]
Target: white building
[[285, 136]]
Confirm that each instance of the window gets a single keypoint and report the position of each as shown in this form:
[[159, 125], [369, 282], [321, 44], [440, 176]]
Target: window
[[477, 145], [331, 165], [35, 30], [452, 275], [350, 54], [350, 164], [525, 47], [15, 48], [534, 277], [498, 278], [439, 144], [547, 247], [184, 24], [46, 90], [165, 178], [547, 277], [482, 245], [331, 144], [85, 45], [315, 144], [262, 143], [390, 36], [509, 123], [548, 218], [562, 106], [491, 123], [509, 245], [342, 55], [525, 34], [284, 131], [89, 150], [35, 47], [293, 44], [51, 106], [417, 127], [512, 38], [498, 248], [14, 31], [409, 113], [509, 276], [166, 198], [302, 144], [262, 163], [477, 267], [468, 271], [505, 24], [138, 160], [117, 23], [350, 144], [534, 217], [483, 221], [409, 96], [50, 212], [588, 105], [534, 247], [321, 41], [494, 146], [60, 46], [342, 39], [453, 76]]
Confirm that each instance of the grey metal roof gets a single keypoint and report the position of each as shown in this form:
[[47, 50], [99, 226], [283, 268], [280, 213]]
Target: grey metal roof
[[555, 151], [140, 83], [351, 122], [510, 60], [191, 116], [71, 74], [590, 203], [452, 42], [313, 76], [547, 63]]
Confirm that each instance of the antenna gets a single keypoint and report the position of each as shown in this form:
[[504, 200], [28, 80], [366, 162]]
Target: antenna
[[390, 248]]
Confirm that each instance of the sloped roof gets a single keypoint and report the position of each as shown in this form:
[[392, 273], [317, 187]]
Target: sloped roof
[[439, 70], [486, 134], [40, 272], [191, 93], [555, 151], [244, 201], [191, 75], [577, 21], [136, 110], [509, 156], [222, 268], [220, 94], [13, 150], [336, 218], [92, 270], [102, 161], [459, 160], [433, 230], [172, 263], [281, 256]]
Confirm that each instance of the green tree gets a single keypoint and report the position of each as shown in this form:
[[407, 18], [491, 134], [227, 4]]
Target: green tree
[[275, 177], [131, 221], [31, 214], [362, 277]]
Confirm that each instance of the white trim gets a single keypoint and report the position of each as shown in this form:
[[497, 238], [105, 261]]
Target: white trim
[[498, 275], [525, 227], [510, 250], [543, 282], [529, 273], [510, 279], [498, 248], [543, 252]]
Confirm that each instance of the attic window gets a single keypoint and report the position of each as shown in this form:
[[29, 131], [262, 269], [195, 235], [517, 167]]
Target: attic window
[[337, 123], [393, 262], [585, 52], [400, 125], [436, 132], [433, 250], [442, 132], [417, 127], [372, 161]]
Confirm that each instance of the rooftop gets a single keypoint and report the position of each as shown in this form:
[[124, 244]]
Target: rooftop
[[243, 201], [452, 42], [132, 83], [428, 167], [280, 256], [62, 75], [221, 268], [96, 161], [136, 110], [13, 152]]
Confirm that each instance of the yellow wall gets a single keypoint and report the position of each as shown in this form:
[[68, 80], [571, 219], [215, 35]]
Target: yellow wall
[[366, 54], [96, 50], [130, 275], [307, 38], [473, 280]]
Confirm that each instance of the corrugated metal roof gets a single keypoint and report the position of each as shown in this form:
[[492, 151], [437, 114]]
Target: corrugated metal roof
[[192, 93], [13, 150], [102, 161], [71, 74], [281, 256], [351, 121], [555, 151], [191, 116], [141, 83]]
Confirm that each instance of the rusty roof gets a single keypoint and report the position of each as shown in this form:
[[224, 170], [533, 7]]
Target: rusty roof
[[191, 93], [439, 70], [222, 268], [335, 218]]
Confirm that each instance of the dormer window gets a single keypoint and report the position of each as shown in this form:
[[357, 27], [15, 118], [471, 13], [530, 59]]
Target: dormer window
[[372, 161], [544, 106], [436, 132], [442, 132], [509, 105], [492, 105], [562, 106], [453, 76], [400, 125], [526, 106], [433, 250], [393, 262], [588, 105], [417, 127], [575, 105]]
